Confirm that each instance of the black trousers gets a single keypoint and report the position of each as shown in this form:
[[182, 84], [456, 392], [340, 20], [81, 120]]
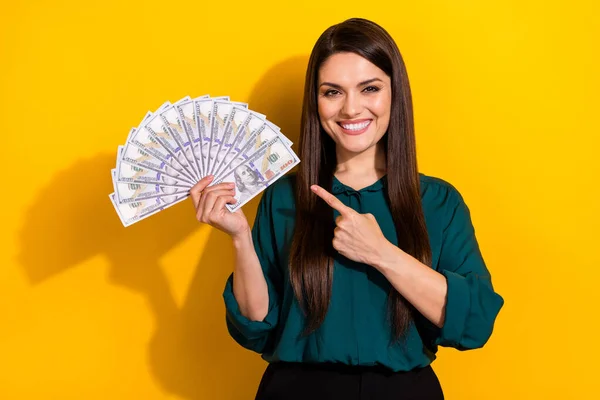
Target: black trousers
[[295, 381]]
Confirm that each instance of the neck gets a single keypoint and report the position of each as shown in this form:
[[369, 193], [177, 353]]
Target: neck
[[370, 162]]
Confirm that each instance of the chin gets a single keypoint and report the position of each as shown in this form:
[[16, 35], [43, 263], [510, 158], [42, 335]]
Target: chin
[[354, 145]]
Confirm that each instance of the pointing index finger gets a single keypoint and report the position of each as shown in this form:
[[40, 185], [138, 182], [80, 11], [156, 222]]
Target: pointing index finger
[[331, 200]]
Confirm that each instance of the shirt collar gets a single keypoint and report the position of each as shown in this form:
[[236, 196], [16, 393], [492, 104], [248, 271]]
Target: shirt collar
[[338, 187]]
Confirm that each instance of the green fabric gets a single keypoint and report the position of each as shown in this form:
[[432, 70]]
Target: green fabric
[[356, 330]]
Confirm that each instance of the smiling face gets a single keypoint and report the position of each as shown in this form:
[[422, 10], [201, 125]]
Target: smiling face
[[354, 102]]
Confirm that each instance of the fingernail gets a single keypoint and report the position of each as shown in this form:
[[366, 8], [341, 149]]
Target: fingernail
[[210, 177], [313, 188]]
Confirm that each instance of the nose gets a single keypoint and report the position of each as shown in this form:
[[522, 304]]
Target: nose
[[352, 106]]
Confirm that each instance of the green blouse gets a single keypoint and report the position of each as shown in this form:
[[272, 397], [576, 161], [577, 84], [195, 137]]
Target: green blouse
[[356, 330]]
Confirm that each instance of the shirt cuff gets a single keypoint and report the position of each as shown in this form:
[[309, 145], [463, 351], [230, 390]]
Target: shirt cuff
[[458, 304], [251, 330]]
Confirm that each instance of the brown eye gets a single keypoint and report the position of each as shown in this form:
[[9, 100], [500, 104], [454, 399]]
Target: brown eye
[[371, 89], [331, 92]]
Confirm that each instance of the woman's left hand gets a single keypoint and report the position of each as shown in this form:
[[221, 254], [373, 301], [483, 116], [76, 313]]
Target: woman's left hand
[[356, 236]]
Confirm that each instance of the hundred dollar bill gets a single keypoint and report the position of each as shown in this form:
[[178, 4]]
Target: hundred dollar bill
[[157, 128], [204, 122], [248, 130], [130, 213], [273, 127], [127, 172], [266, 165], [266, 135], [284, 138], [262, 135], [136, 155], [187, 115], [171, 119], [126, 192], [204, 118], [220, 119], [239, 118], [143, 138]]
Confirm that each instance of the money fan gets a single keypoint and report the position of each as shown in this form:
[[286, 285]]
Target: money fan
[[180, 143]]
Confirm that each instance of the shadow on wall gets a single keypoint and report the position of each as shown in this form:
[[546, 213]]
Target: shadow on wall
[[190, 354]]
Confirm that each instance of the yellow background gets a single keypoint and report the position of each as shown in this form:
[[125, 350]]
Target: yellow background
[[504, 93]]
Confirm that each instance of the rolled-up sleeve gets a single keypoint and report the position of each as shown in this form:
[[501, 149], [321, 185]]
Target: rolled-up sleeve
[[472, 305], [256, 335]]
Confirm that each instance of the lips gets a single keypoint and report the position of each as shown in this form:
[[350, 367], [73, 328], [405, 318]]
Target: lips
[[355, 127]]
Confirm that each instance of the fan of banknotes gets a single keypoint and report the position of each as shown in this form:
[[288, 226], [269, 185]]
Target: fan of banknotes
[[180, 143]]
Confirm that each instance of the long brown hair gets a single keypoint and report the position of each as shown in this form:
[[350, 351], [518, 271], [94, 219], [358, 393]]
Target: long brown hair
[[311, 253]]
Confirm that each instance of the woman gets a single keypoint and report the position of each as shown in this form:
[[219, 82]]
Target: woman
[[358, 266]]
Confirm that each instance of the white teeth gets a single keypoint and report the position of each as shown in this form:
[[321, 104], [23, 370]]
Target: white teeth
[[356, 127]]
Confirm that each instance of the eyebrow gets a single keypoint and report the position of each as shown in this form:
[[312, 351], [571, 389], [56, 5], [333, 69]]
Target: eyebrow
[[335, 85]]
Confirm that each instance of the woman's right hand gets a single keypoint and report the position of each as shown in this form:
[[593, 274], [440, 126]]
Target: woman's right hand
[[210, 207]]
